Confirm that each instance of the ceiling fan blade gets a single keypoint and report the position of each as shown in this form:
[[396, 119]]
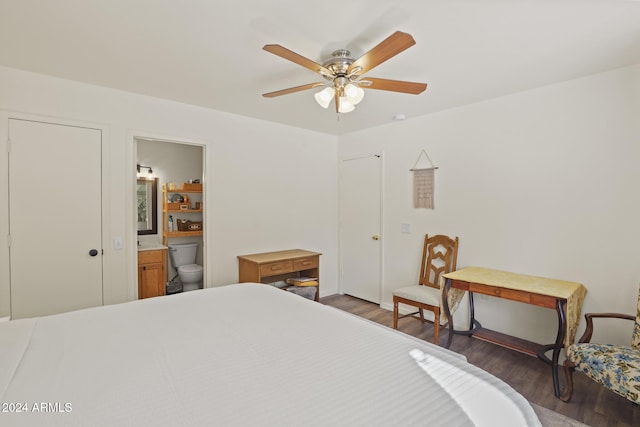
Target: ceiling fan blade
[[393, 85], [290, 55], [292, 90], [388, 48]]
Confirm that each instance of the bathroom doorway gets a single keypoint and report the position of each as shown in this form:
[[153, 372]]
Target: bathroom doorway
[[179, 169]]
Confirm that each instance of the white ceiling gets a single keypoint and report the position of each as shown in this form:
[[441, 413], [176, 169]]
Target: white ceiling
[[209, 52]]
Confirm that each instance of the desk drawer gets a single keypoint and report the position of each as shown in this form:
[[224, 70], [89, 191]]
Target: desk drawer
[[495, 291], [306, 263], [274, 268]]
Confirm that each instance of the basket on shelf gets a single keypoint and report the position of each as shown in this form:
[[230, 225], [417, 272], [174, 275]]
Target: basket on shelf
[[176, 206], [191, 187], [188, 225]]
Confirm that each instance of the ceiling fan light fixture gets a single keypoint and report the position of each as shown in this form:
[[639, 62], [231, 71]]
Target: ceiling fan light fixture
[[354, 93], [325, 96], [345, 105]]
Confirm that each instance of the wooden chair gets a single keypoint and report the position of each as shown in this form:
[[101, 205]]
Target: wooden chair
[[439, 256], [614, 366]]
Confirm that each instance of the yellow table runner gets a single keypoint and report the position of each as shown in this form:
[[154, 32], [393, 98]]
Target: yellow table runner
[[573, 292]]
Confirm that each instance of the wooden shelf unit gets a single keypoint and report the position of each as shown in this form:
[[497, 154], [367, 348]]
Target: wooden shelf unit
[[166, 211], [270, 267]]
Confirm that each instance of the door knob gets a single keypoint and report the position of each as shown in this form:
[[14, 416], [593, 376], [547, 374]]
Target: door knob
[[375, 237], [93, 252]]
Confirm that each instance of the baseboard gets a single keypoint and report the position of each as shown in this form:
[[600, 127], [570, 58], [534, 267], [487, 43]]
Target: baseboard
[[403, 310]]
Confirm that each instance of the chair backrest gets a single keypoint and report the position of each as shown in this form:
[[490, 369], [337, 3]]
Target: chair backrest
[[439, 256], [635, 340]]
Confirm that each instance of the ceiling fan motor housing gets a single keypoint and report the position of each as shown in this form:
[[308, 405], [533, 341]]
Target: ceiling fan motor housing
[[339, 63]]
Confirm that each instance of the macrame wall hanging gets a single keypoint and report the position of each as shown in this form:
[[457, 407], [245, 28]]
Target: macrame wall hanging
[[423, 183]]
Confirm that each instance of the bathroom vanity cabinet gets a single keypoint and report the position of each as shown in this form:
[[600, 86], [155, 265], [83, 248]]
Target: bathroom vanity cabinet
[[187, 211], [152, 273]]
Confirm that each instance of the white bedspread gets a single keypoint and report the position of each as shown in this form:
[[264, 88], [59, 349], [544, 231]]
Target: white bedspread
[[247, 355]]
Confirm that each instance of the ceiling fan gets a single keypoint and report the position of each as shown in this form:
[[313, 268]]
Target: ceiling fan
[[344, 74]]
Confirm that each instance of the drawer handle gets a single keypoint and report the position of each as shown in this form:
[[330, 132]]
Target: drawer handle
[[276, 267], [306, 262]]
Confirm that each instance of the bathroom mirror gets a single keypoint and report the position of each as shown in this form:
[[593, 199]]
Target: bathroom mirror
[[147, 203]]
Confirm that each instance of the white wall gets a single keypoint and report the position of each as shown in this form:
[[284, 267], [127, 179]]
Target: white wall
[[273, 186], [544, 182]]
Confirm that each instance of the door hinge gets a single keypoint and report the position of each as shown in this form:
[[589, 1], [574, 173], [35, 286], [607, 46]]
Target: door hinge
[[8, 240]]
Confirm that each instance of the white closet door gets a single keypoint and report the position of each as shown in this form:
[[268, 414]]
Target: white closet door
[[55, 218], [360, 225]]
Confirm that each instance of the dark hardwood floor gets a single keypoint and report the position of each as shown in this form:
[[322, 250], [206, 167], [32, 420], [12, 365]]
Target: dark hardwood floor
[[591, 404]]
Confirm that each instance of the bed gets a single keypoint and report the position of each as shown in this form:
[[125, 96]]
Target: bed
[[243, 354]]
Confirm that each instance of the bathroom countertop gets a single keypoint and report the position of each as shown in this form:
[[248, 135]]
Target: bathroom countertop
[[156, 247]]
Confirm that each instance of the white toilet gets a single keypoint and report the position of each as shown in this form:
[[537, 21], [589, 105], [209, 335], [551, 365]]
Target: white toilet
[[183, 258]]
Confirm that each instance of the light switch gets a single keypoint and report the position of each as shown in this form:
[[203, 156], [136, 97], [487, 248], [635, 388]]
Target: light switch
[[405, 228], [118, 243]]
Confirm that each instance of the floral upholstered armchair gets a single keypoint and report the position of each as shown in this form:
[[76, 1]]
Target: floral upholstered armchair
[[615, 367]]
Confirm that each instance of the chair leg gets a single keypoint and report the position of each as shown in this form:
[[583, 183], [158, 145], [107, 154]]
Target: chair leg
[[421, 315], [395, 314], [569, 368], [436, 326]]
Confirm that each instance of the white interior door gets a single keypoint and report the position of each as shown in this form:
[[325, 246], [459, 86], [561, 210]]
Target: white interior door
[[360, 213], [55, 218]]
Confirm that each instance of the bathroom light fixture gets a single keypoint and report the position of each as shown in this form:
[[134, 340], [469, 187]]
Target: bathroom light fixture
[[138, 166]]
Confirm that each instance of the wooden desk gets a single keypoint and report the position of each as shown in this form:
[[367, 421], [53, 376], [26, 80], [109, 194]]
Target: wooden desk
[[269, 267], [565, 297]]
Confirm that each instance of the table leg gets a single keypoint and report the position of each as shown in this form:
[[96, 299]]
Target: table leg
[[556, 347], [447, 311], [562, 331], [472, 310], [474, 325]]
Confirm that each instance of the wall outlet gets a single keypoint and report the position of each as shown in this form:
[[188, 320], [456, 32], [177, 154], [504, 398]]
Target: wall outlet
[[405, 228]]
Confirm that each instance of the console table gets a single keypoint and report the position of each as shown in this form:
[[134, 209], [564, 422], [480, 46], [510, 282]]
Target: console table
[[565, 297], [269, 267]]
